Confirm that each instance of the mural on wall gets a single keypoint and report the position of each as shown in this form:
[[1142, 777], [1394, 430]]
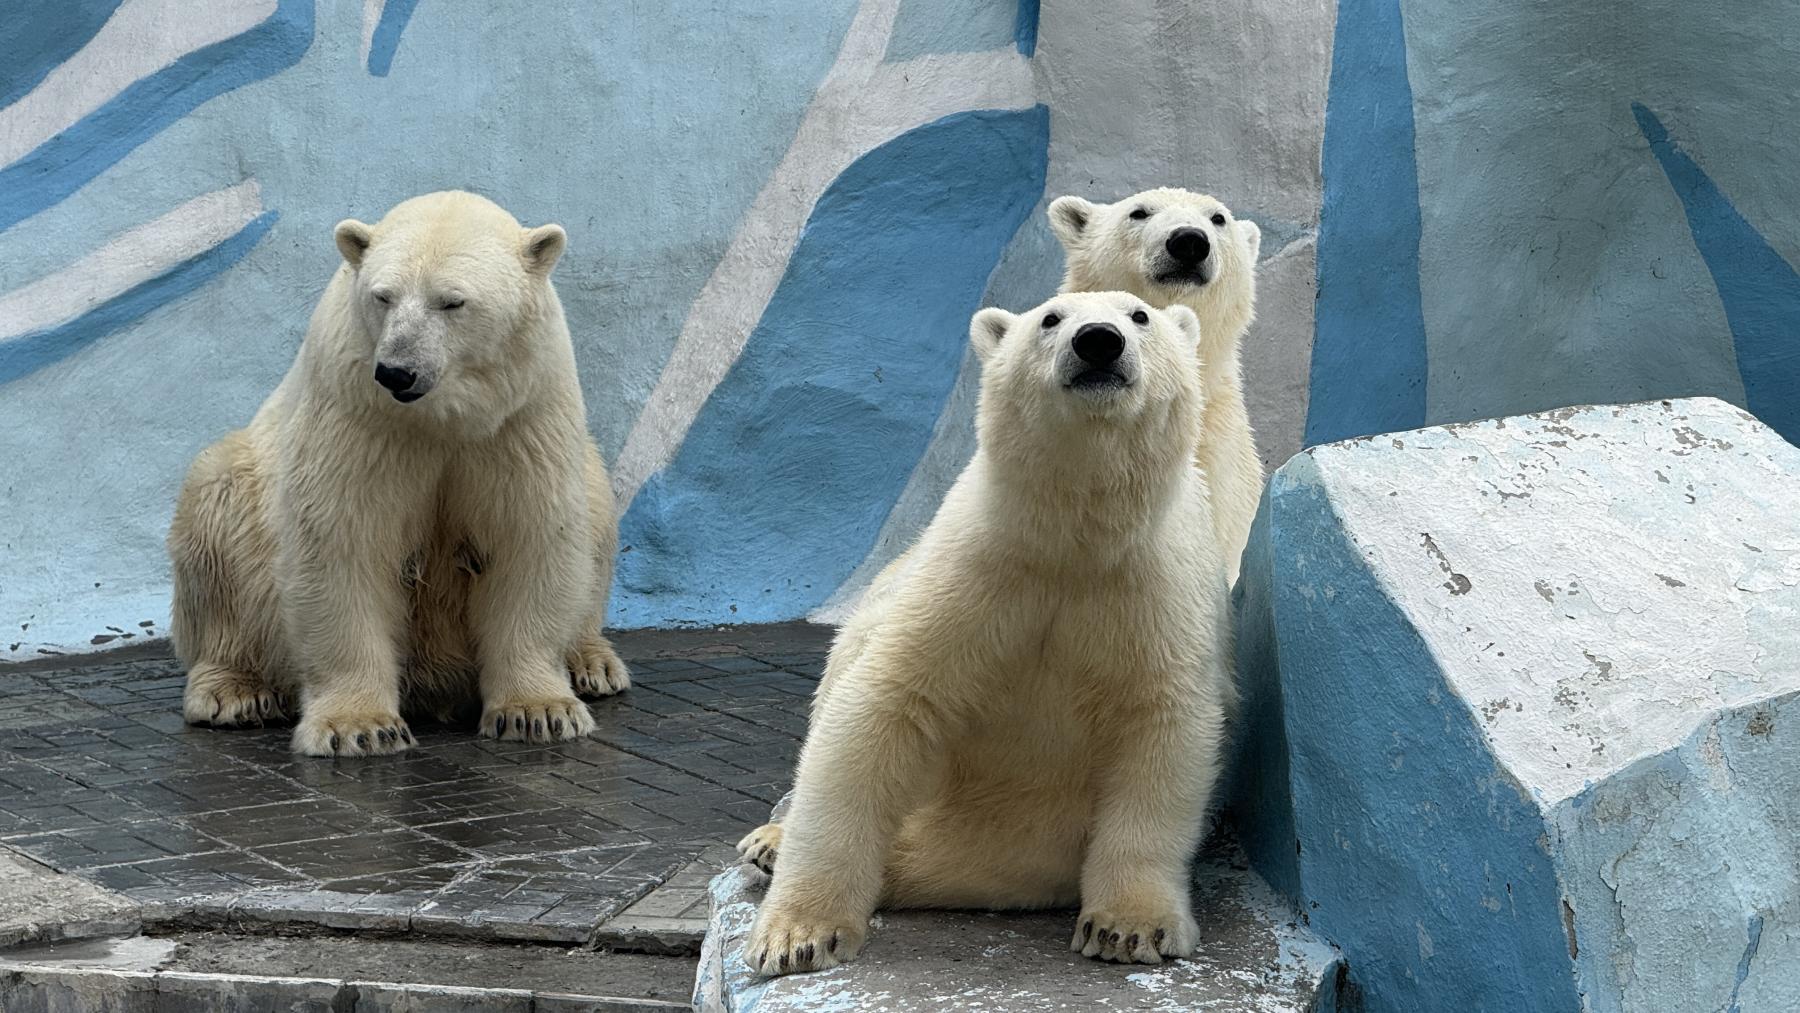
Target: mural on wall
[[774, 254], [1525, 212], [772, 261]]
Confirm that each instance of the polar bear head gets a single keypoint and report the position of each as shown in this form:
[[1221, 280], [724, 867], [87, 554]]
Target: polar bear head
[[1165, 246], [1090, 382], [449, 297]]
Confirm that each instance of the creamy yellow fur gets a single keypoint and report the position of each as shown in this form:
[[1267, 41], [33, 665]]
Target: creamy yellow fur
[[1026, 708], [357, 556], [1107, 250]]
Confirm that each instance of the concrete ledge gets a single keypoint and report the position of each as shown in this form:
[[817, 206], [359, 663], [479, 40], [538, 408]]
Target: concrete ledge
[[40, 905], [1522, 709], [211, 972], [1253, 957]]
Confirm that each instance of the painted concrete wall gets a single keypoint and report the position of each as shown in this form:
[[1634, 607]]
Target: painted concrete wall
[[1466, 211], [775, 249]]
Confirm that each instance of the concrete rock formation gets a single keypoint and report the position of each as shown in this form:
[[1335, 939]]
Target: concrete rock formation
[[1522, 714]]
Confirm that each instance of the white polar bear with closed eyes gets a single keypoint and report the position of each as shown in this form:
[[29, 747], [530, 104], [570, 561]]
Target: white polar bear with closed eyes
[[416, 521], [1026, 708], [1173, 247]]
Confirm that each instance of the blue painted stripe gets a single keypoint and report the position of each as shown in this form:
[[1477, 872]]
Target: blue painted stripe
[[1759, 289], [35, 38], [386, 40], [796, 459], [61, 165], [28, 353], [1026, 33], [1368, 359]]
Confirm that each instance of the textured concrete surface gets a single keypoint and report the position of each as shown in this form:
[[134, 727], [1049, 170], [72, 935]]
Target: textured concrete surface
[[38, 904], [234, 973], [129, 814], [1253, 958], [1523, 709]]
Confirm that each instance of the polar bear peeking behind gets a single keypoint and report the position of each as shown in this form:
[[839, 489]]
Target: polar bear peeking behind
[[417, 519], [1026, 709], [1172, 247]]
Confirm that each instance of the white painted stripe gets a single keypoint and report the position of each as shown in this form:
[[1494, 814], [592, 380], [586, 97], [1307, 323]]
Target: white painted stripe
[[129, 260], [862, 104], [371, 17], [141, 37]]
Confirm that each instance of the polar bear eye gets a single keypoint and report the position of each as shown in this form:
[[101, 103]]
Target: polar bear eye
[[453, 304], [1218, 219], [1140, 214], [1051, 320], [1140, 318], [382, 299]]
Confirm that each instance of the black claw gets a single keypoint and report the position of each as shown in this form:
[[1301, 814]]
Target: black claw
[[537, 728], [1113, 939], [519, 724], [1158, 937], [334, 742], [499, 726], [362, 741], [1087, 930], [381, 736], [784, 960], [762, 960], [832, 946], [556, 727], [1131, 941], [408, 735], [806, 954]]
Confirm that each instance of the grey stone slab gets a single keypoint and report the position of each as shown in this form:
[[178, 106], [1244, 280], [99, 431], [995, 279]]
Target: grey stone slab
[[38, 904], [1253, 955]]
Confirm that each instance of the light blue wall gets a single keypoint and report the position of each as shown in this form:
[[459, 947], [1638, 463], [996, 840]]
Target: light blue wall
[[1529, 206]]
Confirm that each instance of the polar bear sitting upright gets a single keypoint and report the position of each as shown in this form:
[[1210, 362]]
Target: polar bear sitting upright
[[416, 519], [1171, 247], [1026, 709]]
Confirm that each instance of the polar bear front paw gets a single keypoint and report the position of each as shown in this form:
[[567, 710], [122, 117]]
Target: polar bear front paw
[[1135, 936], [544, 719], [225, 698], [760, 845], [330, 733], [595, 669], [784, 941]]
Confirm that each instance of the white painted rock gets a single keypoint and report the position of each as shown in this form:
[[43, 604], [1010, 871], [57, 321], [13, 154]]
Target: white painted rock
[[1522, 715], [1253, 958]]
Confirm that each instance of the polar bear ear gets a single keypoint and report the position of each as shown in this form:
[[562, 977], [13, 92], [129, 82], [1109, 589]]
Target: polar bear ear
[[352, 238], [1187, 322], [987, 329], [542, 246], [1069, 218], [1252, 237]]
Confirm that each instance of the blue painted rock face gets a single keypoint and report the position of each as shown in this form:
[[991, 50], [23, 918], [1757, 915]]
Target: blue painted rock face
[[1523, 709]]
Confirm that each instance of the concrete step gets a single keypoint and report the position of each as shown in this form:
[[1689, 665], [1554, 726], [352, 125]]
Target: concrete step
[[333, 974], [1254, 955]]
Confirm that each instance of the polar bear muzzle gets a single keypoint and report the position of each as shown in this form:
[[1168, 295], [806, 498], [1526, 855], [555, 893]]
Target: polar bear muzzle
[[402, 383], [1099, 348]]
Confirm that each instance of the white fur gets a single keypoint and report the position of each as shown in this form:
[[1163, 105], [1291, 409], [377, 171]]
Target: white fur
[[1026, 709], [1107, 250], [359, 556]]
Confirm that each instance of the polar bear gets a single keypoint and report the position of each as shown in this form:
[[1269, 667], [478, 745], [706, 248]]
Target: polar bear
[[416, 518], [1026, 709], [1169, 247]]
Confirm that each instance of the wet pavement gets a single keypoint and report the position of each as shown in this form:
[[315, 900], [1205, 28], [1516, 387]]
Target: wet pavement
[[464, 837]]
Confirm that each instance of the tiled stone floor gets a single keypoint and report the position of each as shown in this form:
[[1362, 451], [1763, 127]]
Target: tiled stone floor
[[462, 836]]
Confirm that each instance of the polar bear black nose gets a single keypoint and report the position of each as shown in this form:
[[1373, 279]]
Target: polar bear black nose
[[393, 378], [1190, 246], [1098, 344]]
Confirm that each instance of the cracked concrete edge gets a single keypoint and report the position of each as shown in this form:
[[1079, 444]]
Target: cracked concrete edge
[[139, 973], [40, 905]]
